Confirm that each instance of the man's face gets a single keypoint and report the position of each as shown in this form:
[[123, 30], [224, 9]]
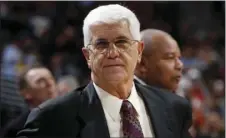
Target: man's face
[[164, 65], [113, 65], [42, 86]]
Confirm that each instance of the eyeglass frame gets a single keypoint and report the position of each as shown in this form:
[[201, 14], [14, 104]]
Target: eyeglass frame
[[114, 45]]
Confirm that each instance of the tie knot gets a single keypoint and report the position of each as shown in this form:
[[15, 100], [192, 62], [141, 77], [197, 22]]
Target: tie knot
[[127, 108]]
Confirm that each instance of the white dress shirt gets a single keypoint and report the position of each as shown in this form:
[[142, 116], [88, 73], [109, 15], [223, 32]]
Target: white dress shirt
[[112, 106]]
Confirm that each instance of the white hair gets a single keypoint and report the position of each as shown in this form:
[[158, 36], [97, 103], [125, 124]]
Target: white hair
[[110, 14]]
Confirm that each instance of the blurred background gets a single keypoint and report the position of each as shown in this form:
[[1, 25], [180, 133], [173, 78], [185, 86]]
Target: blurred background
[[50, 33]]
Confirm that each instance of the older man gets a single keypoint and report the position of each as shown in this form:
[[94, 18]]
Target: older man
[[111, 105], [160, 65]]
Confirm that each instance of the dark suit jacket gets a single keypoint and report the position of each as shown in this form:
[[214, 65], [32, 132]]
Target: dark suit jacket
[[12, 128], [80, 114]]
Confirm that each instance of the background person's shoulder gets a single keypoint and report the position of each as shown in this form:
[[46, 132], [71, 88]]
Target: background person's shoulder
[[168, 96], [69, 99], [58, 107]]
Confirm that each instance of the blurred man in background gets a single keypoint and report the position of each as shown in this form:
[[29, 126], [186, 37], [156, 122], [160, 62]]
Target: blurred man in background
[[160, 65], [36, 85]]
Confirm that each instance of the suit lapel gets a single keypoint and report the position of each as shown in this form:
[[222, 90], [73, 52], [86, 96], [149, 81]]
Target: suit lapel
[[92, 115], [158, 112], [93, 122]]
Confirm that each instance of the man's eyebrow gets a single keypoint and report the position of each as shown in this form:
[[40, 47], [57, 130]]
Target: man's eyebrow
[[40, 79], [104, 39], [100, 40], [121, 37], [169, 54]]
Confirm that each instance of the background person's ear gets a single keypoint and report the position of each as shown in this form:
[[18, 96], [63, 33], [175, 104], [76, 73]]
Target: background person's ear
[[142, 65]]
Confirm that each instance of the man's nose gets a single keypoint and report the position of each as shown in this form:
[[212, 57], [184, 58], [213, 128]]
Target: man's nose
[[112, 51], [179, 64]]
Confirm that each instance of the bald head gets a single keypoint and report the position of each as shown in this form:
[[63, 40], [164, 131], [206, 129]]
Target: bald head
[[154, 38], [37, 86], [160, 63]]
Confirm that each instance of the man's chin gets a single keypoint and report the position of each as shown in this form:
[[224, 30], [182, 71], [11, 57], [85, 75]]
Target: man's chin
[[115, 78], [114, 81], [174, 88]]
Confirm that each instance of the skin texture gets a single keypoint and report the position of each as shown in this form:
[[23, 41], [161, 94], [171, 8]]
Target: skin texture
[[41, 86], [160, 65], [113, 70]]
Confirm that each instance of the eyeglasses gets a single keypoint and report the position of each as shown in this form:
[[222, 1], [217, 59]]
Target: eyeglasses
[[101, 46]]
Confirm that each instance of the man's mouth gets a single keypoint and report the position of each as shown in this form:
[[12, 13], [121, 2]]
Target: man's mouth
[[177, 78], [113, 65]]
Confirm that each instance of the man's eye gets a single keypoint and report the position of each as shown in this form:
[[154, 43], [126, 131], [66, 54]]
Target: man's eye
[[169, 57], [121, 42], [101, 45]]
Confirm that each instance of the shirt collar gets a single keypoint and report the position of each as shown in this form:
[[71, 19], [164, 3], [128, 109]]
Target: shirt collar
[[112, 104]]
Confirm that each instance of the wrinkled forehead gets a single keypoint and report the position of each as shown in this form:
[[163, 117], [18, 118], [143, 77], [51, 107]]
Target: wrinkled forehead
[[110, 31]]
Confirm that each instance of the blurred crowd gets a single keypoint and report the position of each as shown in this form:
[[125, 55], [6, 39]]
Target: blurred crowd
[[50, 33]]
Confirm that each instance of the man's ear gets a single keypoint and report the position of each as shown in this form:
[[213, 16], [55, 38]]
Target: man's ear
[[140, 49], [142, 64], [86, 52], [26, 94]]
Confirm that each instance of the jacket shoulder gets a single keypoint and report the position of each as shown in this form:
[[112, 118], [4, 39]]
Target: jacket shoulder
[[177, 104], [52, 115], [167, 95], [69, 98]]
